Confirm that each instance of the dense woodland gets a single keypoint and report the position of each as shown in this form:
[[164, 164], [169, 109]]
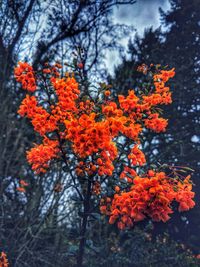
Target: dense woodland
[[41, 228]]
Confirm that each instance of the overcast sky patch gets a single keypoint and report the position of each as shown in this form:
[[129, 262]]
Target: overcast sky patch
[[143, 14]]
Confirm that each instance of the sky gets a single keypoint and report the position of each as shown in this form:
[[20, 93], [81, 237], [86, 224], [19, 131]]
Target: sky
[[141, 15]]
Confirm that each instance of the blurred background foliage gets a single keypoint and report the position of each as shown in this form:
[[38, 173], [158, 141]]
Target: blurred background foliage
[[40, 228]]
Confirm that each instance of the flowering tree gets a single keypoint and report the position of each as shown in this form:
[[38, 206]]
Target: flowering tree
[[97, 139]]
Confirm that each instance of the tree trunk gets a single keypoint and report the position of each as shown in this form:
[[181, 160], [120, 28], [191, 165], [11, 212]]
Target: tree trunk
[[84, 225]]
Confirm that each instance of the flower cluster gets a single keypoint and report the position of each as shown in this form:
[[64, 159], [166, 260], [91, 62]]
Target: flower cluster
[[155, 123], [96, 188], [40, 156], [3, 260], [22, 187], [149, 196], [67, 93], [25, 75], [42, 121], [136, 156]]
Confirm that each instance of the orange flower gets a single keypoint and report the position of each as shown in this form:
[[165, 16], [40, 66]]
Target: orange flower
[[143, 68], [96, 188], [21, 189], [41, 155], [117, 189], [151, 173], [99, 161], [23, 183], [136, 156], [3, 260], [46, 71], [80, 65], [58, 187], [107, 93]]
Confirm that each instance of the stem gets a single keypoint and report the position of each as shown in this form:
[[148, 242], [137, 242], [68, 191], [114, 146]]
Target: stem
[[84, 225]]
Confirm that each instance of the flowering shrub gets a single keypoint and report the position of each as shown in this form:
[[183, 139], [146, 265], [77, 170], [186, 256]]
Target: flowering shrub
[[91, 125], [104, 136]]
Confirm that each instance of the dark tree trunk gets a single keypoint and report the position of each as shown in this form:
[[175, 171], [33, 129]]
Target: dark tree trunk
[[84, 225]]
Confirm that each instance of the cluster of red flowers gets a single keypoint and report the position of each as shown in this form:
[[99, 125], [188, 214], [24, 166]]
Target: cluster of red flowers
[[3, 260], [155, 123], [128, 174], [96, 188], [89, 126], [136, 156], [67, 93], [25, 75], [22, 187], [41, 155], [42, 121], [149, 196]]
